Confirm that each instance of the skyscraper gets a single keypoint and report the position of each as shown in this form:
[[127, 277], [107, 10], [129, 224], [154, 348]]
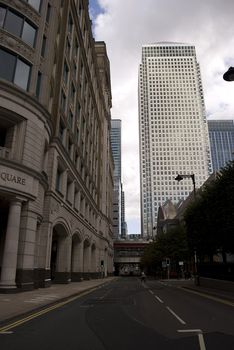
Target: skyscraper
[[173, 128], [221, 133], [119, 224], [116, 151], [116, 146]]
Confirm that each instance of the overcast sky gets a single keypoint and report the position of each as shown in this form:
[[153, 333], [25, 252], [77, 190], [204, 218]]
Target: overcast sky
[[126, 25]]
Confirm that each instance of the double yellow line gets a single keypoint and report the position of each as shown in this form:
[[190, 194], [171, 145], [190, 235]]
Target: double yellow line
[[42, 312]]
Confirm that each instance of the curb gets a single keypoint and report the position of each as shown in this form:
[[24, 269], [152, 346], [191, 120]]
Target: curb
[[3, 323], [209, 293]]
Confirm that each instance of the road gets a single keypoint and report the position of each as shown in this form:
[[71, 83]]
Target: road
[[127, 315]]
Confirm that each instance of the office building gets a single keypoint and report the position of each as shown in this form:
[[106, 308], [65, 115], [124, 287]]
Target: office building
[[119, 223], [172, 126], [124, 226], [221, 134], [116, 151], [56, 167]]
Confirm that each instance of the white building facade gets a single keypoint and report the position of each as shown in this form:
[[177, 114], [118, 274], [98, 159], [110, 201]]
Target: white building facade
[[56, 166], [172, 125]]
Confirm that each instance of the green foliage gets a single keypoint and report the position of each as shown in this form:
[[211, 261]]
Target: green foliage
[[209, 219], [172, 244]]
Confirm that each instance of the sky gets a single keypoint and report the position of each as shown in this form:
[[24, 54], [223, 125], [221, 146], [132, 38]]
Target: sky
[[126, 25]]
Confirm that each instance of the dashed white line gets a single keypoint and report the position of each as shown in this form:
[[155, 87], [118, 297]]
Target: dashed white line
[[151, 291], [160, 300], [176, 316]]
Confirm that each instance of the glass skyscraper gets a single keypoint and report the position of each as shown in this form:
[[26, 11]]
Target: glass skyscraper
[[221, 133], [172, 127], [116, 151]]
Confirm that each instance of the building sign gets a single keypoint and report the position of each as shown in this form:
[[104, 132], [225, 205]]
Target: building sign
[[15, 180], [9, 177]]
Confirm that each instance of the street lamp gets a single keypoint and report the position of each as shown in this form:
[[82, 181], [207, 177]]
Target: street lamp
[[179, 178], [192, 176], [229, 74]]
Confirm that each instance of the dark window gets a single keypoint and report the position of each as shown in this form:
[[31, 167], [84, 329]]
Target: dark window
[[17, 25], [63, 102], [2, 16], [70, 120], [35, 3], [43, 47], [48, 13], [58, 179], [61, 130], [38, 87], [7, 65], [14, 69], [70, 24], [29, 34], [22, 74], [13, 23], [65, 73]]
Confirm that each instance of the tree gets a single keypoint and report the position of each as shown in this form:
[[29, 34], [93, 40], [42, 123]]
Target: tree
[[172, 245], [209, 220]]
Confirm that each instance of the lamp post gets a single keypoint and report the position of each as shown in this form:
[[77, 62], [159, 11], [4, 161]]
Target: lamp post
[[192, 176], [229, 74]]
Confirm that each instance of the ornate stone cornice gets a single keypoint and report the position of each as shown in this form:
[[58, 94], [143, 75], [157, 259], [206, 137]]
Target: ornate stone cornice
[[15, 44]]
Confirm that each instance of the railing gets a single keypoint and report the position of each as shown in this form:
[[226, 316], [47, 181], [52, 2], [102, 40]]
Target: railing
[[5, 152]]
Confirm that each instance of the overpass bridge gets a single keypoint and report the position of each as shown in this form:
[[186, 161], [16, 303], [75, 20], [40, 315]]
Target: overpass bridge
[[127, 256]]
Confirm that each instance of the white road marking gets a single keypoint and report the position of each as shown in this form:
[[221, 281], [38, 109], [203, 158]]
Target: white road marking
[[151, 291], [174, 314], [6, 332], [200, 336], [201, 341], [189, 330], [160, 300]]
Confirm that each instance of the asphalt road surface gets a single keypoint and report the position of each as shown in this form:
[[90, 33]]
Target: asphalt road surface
[[128, 315]]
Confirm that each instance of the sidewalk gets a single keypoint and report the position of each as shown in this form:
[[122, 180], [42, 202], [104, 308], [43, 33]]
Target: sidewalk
[[217, 293], [20, 304], [190, 285]]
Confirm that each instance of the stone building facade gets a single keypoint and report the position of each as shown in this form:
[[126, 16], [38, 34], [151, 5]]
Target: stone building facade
[[56, 166]]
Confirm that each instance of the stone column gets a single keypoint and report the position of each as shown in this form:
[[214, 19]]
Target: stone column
[[25, 277], [9, 261]]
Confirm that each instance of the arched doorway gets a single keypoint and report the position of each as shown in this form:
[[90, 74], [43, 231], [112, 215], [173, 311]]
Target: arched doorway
[[60, 259], [86, 259], [94, 261], [76, 258]]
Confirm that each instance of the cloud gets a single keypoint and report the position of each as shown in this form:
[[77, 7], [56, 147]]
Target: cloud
[[126, 25]]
